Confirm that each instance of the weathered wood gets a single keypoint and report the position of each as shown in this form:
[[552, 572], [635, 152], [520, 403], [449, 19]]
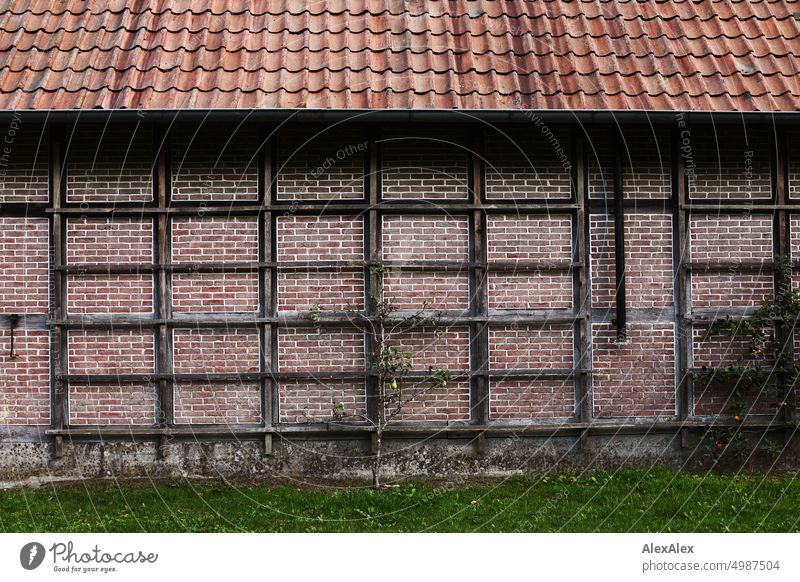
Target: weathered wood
[[620, 293], [373, 277], [479, 303], [782, 246], [267, 289], [163, 281], [682, 284], [581, 284], [58, 299]]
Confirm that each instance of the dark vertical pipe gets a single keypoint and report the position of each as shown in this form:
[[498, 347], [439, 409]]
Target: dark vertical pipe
[[619, 239]]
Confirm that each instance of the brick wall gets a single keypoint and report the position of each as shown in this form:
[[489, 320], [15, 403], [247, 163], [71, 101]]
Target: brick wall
[[449, 351], [535, 239], [217, 403], [731, 239], [320, 238], [527, 347], [648, 260], [426, 238], [123, 404], [110, 352], [23, 265], [215, 162], [528, 163], [23, 162], [722, 350], [25, 379], [731, 163], [321, 164], [110, 164], [646, 163], [429, 164], [219, 165], [203, 240], [636, 379]]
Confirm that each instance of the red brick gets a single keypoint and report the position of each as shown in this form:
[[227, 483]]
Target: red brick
[[118, 404], [23, 265], [315, 400], [217, 403], [212, 351], [25, 380], [636, 379]]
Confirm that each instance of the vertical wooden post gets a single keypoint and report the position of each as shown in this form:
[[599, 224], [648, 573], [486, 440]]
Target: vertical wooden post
[[581, 283], [619, 240], [163, 284], [479, 304], [782, 247], [682, 284], [58, 301], [271, 276], [266, 290], [373, 253]]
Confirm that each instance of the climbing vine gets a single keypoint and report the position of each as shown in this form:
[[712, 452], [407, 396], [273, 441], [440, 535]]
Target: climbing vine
[[768, 334]]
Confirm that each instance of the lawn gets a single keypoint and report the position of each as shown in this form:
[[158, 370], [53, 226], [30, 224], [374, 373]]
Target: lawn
[[629, 500]]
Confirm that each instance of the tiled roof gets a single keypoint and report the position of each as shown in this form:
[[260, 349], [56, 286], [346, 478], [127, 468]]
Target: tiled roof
[[401, 54]]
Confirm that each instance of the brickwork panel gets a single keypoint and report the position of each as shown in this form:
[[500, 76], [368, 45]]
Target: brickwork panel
[[339, 290], [217, 162], [528, 164], [532, 290], [513, 237], [731, 238], [730, 163], [315, 401], [25, 379], [793, 164], [430, 164], [531, 399], [110, 164], [722, 350], [23, 162], [646, 164], [213, 351], [321, 165], [320, 238], [425, 238], [636, 379], [648, 260], [449, 403], [320, 350], [104, 240], [525, 347], [214, 293], [23, 265], [205, 240], [217, 403], [110, 294], [119, 404], [413, 289], [110, 352], [450, 351]]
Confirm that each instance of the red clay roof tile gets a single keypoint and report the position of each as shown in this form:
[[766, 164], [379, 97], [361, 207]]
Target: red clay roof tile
[[401, 54]]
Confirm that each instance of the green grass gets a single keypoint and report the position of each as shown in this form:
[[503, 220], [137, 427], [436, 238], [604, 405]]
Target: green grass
[[653, 501]]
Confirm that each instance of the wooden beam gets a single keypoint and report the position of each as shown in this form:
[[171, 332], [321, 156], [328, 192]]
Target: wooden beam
[[266, 289], [581, 281], [682, 285], [373, 253], [479, 295], [58, 300], [782, 246], [620, 294], [163, 280]]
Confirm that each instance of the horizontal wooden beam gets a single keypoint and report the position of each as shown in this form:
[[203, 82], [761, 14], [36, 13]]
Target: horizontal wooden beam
[[418, 430]]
